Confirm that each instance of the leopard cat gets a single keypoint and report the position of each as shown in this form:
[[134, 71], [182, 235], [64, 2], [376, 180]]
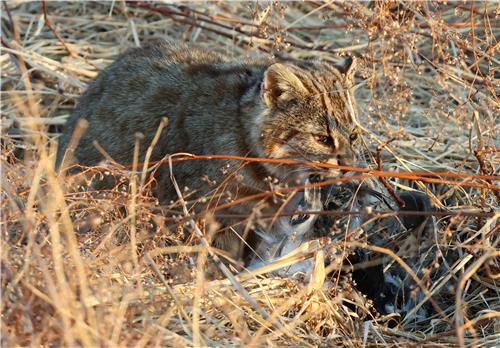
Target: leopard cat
[[215, 105]]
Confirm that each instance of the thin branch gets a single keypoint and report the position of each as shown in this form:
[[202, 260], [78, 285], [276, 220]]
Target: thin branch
[[56, 34]]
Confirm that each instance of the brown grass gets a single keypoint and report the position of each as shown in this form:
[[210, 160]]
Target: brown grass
[[99, 268]]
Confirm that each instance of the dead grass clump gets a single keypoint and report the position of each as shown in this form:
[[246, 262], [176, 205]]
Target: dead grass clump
[[87, 267]]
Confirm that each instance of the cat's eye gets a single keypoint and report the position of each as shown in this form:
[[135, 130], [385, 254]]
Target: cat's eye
[[353, 137], [324, 139]]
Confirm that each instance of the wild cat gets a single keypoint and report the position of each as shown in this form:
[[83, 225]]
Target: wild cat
[[302, 110]]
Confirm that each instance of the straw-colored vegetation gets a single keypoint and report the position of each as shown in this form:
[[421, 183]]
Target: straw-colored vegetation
[[101, 268]]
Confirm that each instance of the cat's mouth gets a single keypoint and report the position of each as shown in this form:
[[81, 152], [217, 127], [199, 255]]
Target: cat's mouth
[[329, 174]]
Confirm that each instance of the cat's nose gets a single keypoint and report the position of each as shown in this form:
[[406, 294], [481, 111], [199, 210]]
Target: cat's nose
[[333, 171], [346, 157]]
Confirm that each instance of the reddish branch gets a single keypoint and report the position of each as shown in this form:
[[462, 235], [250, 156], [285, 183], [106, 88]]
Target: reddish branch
[[403, 175], [384, 182], [56, 34], [337, 181], [429, 177]]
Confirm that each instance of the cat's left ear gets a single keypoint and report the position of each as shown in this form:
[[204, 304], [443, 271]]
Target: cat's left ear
[[281, 85], [347, 66]]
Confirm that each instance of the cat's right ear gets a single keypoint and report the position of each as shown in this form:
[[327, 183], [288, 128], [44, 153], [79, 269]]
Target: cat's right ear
[[281, 86]]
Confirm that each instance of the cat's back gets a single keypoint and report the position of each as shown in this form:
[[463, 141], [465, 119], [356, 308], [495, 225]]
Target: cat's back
[[140, 72], [133, 94], [161, 59]]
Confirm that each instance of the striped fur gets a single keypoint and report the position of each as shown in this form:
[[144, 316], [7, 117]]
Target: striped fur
[[308, 114]]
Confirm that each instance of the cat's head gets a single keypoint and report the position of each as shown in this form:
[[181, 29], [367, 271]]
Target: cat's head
[[309, 112]]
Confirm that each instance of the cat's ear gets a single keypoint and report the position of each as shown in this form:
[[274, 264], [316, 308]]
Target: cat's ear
[[281, 85], [347, 67]]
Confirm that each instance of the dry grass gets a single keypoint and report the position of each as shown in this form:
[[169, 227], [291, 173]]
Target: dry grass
[[85, 268]]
